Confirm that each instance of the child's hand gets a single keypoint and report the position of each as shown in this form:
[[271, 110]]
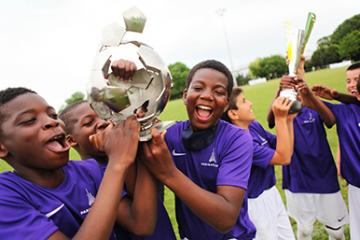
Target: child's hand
[[281, 106], [123, 69], [287, 82], [157, 156], [302, 87], [120, 141], [324, 92]]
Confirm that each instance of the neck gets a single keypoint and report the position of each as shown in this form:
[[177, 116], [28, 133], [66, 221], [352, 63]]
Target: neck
[[242, 124], [41, 177]]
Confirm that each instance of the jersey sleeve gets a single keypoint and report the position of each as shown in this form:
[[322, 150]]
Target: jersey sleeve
[[236, 157], [20, 220], [262, 155]]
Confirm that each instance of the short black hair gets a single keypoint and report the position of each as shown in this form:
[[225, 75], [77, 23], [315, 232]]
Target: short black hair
[[212, 64], [65, 115], [9, 94], [353, 66], [237, 91]]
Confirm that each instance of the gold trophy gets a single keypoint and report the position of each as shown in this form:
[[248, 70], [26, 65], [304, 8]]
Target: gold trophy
[[296, 47]]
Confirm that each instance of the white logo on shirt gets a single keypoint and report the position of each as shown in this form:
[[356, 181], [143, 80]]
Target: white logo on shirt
[[91, 198], [175, 154], [263, 140], [359, 124], [212, 161], [311, 119], [51, 213]]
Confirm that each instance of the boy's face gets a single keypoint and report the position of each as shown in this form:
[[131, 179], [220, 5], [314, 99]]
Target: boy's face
[[244, 113], [31, 136], [85, 122], [351, 81], [206, 98]]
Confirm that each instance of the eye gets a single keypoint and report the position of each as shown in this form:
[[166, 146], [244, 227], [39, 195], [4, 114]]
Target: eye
[[53, 116], [220, 92], [88, 122], [28, 121]]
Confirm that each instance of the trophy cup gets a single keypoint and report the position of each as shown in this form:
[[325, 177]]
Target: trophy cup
[[296, 47], [146, 94]]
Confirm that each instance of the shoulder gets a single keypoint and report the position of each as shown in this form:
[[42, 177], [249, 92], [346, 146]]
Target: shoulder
[[230, 136], [85, 169], [173, 133]]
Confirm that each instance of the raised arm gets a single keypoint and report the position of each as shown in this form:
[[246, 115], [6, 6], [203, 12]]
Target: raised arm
[[138, 213], [284, 139], [332, 94], [108, 196], [220, 209], [311, 101]]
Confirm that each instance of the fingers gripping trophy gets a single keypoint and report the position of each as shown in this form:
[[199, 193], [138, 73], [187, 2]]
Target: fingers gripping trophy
[[145, 94], [296, 47]]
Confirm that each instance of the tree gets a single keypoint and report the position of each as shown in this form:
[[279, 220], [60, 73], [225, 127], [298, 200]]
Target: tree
[[269, 67], [242, 80], [325, 55], [74, 98], [179, 72], [345, 28], [349, 47]]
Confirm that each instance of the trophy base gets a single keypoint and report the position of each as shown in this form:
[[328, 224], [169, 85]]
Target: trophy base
[[291, 94], [145, 134], [295, 107]]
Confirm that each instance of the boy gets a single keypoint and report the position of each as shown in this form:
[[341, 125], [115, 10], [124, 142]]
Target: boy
[[310, 181], [266, 208], [80, 123], [205, 161], [47, 197], [347, 119]]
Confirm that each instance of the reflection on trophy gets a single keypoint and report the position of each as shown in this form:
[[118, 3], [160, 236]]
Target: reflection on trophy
[[147, 92], [296, 47]]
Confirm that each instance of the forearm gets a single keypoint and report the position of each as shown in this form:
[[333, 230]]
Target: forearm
[[325, 113], [283, 149], [290, 124], [105, 205], [346, 98], [212, 208], [140, 217]]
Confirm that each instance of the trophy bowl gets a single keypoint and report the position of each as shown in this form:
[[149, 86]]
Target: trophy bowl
[[144, 95]]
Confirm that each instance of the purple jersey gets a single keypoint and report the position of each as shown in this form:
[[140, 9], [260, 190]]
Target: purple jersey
[[227, 161], [30, 211], [262, 176], [348, 130], [312, 168]]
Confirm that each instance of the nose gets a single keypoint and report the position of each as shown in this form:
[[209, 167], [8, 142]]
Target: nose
[[101, 124], [207, 95], [50, 123]]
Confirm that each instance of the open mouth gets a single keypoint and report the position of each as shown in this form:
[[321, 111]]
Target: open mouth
[[58, 143], [203, 113]]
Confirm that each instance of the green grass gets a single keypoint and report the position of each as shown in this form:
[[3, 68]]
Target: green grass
[[261, 96]]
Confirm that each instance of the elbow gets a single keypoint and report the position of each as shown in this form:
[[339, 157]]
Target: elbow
[[227, 225], [144, 230]]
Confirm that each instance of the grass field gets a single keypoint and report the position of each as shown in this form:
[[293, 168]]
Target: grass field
[[261, 96]]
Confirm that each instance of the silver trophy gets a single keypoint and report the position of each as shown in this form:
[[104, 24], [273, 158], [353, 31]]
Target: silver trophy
[[146, 94], [296, 47]]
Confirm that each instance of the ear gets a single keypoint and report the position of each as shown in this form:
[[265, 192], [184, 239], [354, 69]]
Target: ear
[[3, 151], [71, 141], [184, 95], [232, 114]]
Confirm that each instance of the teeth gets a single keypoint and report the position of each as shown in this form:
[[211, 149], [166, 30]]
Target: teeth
[[204, 107]]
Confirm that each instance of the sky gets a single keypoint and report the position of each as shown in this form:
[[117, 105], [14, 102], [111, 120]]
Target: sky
[[49, 45]]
